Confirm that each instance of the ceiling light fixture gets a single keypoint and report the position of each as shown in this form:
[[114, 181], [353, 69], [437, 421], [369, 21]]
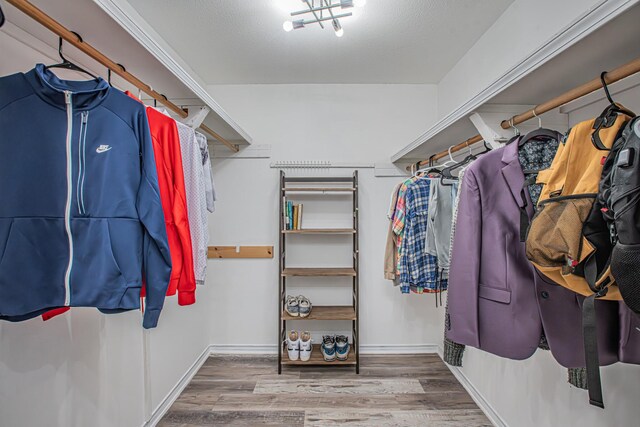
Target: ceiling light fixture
[[318, 10]]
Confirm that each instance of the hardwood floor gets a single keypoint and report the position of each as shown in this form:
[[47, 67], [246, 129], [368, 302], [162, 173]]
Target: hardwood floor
[[403, 390]]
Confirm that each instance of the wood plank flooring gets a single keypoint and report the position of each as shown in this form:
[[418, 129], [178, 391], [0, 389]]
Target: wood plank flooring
[[402, 390]]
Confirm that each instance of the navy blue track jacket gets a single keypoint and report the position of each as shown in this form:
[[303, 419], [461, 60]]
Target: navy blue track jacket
[[81, 222]]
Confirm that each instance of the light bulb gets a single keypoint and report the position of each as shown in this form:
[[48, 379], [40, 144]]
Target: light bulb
[[287, 26], [359, 3], [340, 32]]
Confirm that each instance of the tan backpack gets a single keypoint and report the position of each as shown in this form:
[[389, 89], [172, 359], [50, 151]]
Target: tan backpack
[[568, 240]]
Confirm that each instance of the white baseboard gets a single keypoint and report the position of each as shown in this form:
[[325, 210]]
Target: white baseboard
[[477, 397], [244, 349], [172, 396], [398, 348]]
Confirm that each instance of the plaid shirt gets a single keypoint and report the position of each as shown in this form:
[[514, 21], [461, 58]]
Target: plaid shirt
[[398, 217], [418, 270]]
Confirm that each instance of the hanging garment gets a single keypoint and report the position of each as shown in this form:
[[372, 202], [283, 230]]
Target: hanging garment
[[166, 144], [629, 343], [438, 240], [497, 300], [81, 222], [209, 186], [196, 199], [399, 217], [391, 250], [453, 351], [417, 269]]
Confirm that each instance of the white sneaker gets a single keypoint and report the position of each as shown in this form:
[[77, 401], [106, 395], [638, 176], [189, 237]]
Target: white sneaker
[[305, 346], [293, 346]]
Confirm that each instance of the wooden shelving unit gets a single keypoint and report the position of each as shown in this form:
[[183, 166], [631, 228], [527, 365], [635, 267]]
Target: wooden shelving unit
[[349, 313]]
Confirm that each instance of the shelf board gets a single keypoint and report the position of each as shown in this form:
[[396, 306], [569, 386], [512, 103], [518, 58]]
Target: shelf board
[[319, 272], [318, 189], [327, 179], [317, 360], [321, 231], [326, 312]]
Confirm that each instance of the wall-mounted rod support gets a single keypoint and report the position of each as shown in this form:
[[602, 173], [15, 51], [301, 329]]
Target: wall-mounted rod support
[[61, 31]]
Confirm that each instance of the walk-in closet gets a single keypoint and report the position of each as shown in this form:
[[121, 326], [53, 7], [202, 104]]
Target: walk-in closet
[[310, 213]]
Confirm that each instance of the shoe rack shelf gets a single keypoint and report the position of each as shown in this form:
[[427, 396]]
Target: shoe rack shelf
[[317, 360], [317, 186], [319, 272], [321, 231], [325, 312]]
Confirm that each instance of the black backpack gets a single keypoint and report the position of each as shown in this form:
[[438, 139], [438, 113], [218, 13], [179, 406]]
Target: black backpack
[[620, 200]]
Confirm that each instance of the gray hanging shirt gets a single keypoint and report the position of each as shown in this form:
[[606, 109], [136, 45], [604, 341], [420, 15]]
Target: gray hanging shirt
[[441, 203]]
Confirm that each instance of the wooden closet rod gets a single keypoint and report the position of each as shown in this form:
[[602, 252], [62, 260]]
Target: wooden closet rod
[[612, 76], [58, 29]]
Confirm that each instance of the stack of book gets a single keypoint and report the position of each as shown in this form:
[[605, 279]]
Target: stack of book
[[292, 215]]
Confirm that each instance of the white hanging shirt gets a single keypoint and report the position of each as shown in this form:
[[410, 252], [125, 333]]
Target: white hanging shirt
[[195, 188], [208, 173]]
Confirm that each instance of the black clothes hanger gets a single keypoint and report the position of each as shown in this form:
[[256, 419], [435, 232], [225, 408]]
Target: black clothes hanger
[[1, 17], [446, 172], [613, 106], [541, 132], [66, 64], [608, 116], [430, 167]]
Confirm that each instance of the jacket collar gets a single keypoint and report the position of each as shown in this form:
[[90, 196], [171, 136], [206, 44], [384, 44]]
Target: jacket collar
[[87, 94], [513, 175]]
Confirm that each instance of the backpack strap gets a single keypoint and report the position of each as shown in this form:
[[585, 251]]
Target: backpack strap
[[592, 359]]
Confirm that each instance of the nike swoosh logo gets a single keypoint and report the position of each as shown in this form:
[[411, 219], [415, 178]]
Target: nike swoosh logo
[[103, 149]]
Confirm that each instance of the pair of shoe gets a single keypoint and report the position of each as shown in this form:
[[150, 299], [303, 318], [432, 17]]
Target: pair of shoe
[[335, 347], [299, 346], [299, 306]]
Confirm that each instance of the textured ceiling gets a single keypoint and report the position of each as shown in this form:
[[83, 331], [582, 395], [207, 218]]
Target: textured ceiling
[[242, 41]]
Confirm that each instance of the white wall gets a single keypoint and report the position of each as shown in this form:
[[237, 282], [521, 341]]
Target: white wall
[[84, 368], [538, 392], [523, 28], [341, 123]]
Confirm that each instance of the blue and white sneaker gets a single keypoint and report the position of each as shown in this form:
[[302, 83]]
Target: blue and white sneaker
[[291, 306], [342, 347], [328, 348], [304, 306]]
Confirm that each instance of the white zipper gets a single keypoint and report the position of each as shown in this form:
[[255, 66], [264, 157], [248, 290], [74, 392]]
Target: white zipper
[[80, 165], [83, 152], [67, 212]]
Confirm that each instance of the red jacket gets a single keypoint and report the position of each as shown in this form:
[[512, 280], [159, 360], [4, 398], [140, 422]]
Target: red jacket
[[166, 146]]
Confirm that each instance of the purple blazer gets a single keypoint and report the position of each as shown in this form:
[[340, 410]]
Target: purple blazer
[[497, 300]]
